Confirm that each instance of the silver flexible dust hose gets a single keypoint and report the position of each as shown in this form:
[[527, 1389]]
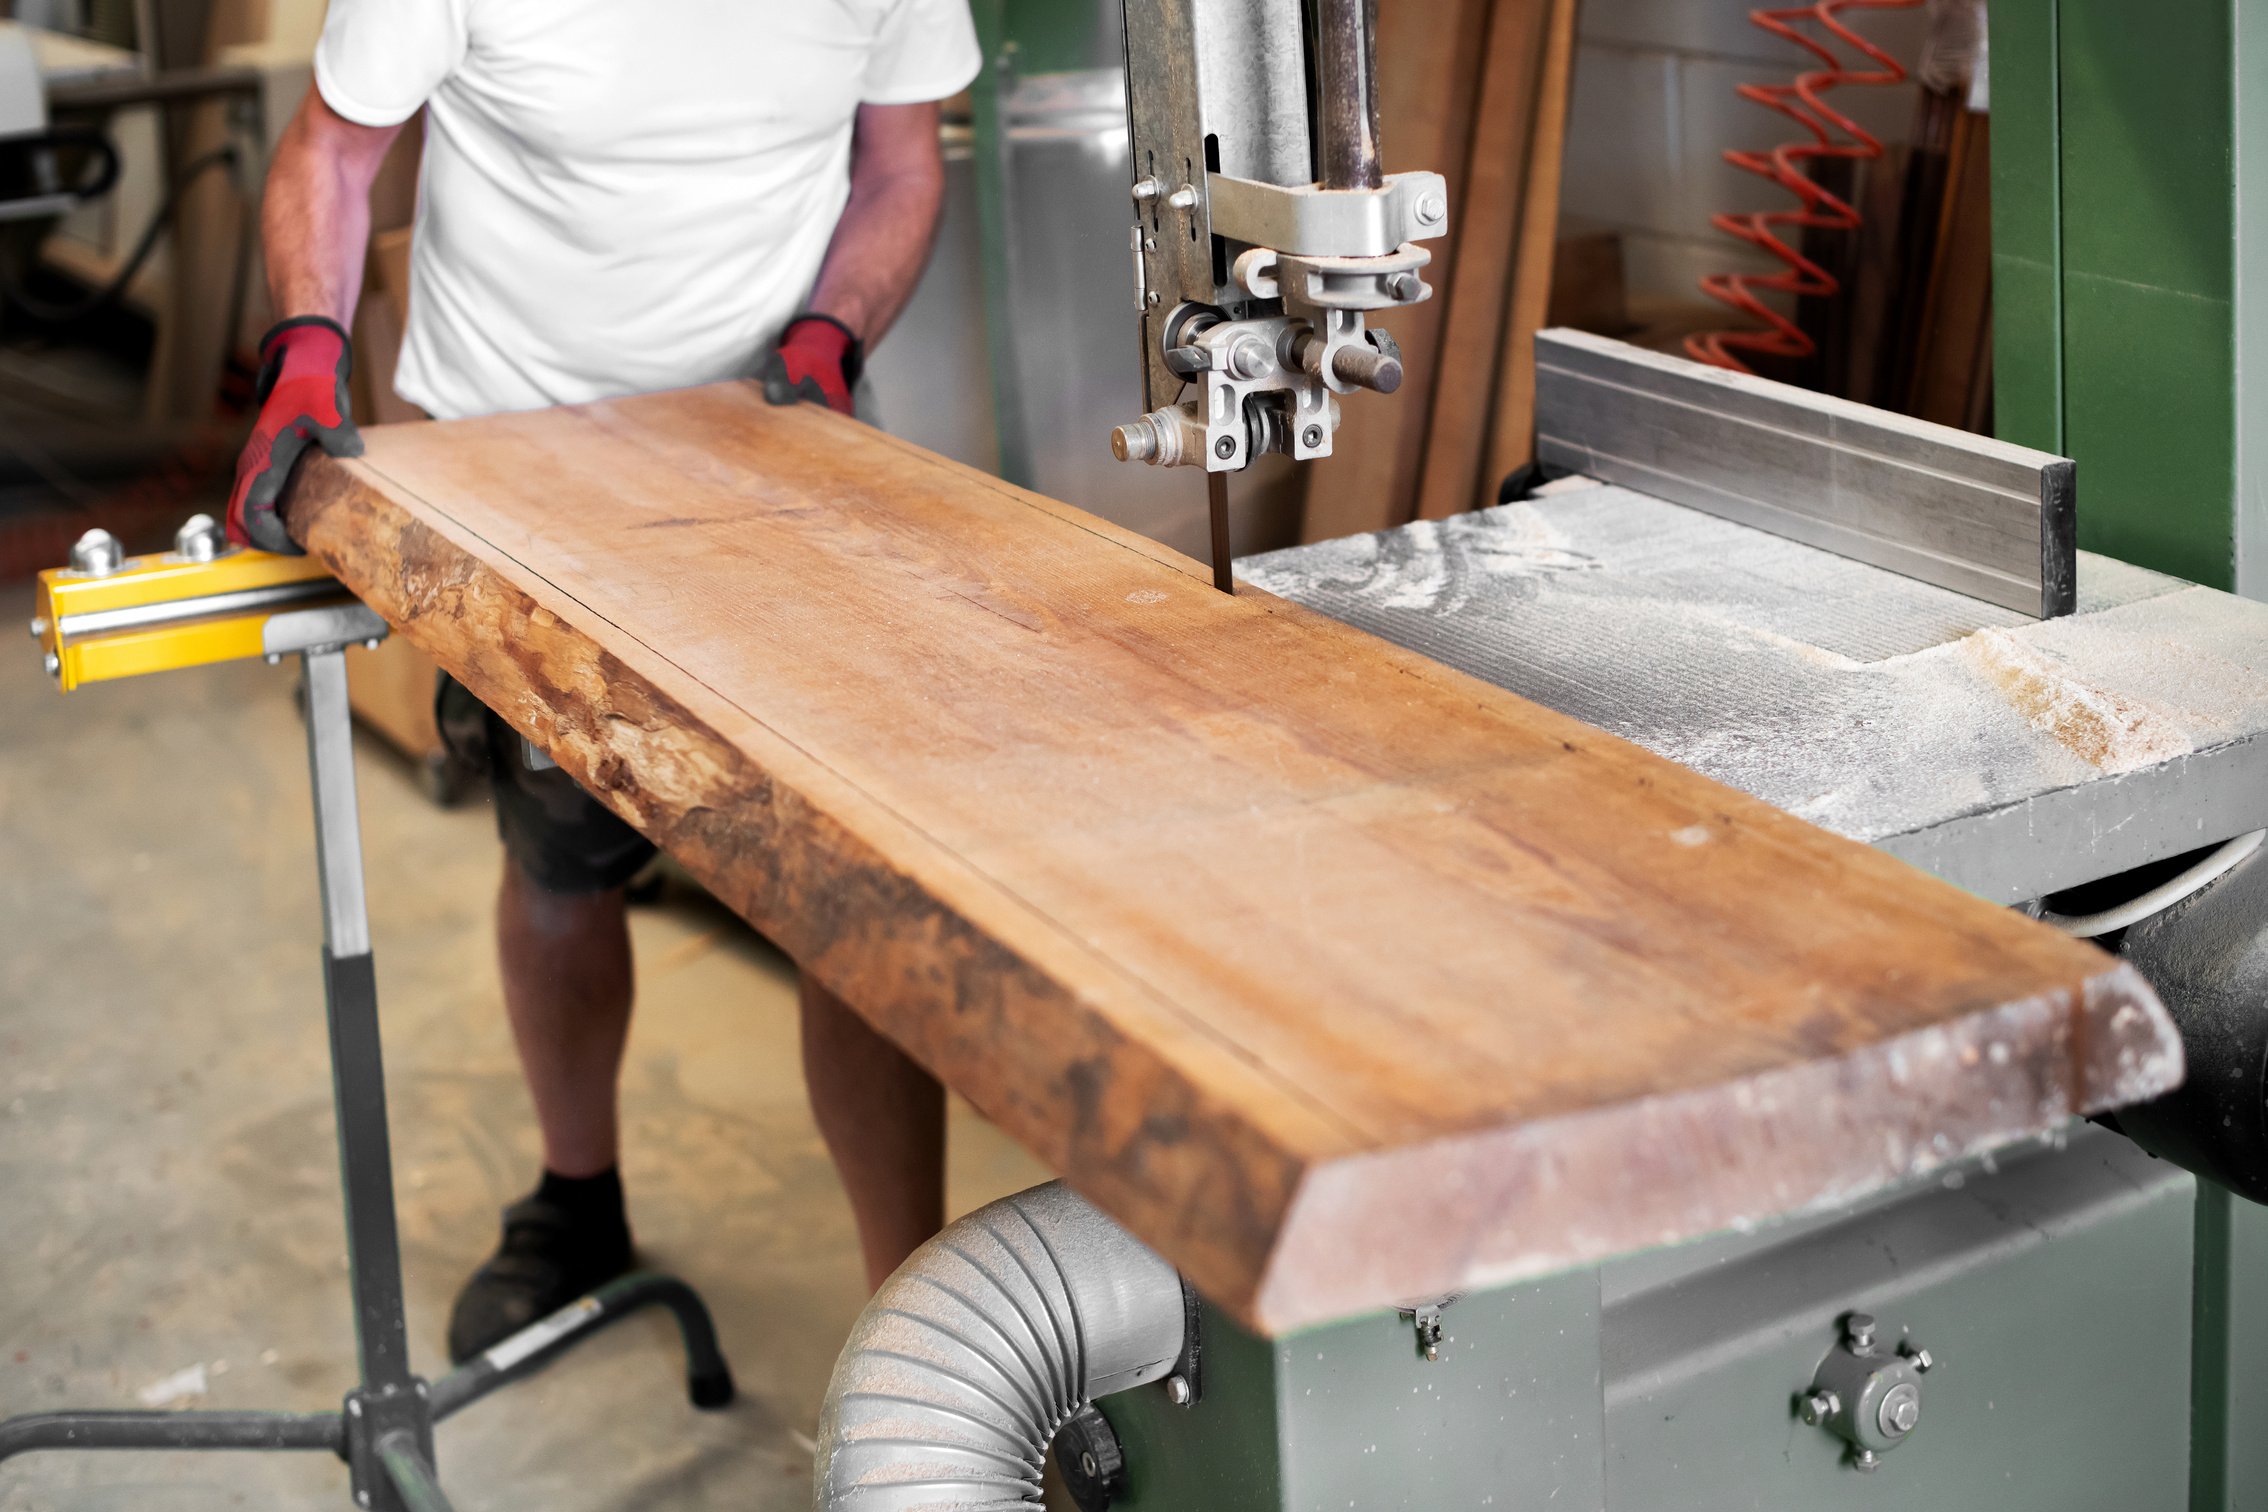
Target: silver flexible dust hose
[[968, 1360]]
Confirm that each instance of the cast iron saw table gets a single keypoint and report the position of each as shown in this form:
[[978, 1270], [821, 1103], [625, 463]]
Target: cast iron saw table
[[2012, 756]]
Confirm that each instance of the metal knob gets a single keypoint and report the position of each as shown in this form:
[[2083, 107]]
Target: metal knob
[[1252, 357], [1366, 367], [1184, 198], [200, 539], [1858, 1332], [1168, 437], [1359, 363], [97, 554], [1134, 442], [1146, 190]]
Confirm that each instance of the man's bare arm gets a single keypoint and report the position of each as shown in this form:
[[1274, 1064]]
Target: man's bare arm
[[314, 225], [882, 241], [315, 219]]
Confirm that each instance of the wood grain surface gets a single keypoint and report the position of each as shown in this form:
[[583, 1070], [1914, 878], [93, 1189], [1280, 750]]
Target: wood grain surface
[[1337, 976]]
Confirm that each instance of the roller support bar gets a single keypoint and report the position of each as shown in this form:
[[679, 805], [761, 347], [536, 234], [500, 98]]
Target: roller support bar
[[108, 616]]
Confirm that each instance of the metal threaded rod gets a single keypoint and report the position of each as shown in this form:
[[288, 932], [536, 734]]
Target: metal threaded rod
[[1360, 364], [1346, 78]]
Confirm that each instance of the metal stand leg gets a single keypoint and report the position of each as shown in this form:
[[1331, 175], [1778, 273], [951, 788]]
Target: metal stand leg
[[385, 1433], [708, 1380], [411, 1473], [390, 1404], [172, 1430]]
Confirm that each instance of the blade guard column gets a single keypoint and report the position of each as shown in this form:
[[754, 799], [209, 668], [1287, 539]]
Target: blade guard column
[[1256, 268]]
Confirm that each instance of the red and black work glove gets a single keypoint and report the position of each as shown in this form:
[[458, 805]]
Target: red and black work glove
[[302, 395], [818, 358]]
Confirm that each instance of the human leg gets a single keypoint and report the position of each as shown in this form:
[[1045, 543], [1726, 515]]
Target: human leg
[[883, 1118], [565, 960], [563, 948]]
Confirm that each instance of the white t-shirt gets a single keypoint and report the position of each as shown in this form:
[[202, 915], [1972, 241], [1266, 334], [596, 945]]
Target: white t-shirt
[[622, 195]]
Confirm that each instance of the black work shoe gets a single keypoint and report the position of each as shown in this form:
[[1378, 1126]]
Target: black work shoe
[[551, 1255]]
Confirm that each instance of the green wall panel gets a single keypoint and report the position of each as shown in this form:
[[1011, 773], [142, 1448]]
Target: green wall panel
[[2145, 110], [2114, 259], [2147, 413], [2148, 235], [2027, 375], [1056, 36], [2027, 257]]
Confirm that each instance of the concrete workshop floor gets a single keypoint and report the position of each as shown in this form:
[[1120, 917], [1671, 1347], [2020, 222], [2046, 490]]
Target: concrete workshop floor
[[169, 1206]]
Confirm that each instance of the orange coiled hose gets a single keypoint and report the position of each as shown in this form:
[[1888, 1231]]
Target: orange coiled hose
[[1833, 135]]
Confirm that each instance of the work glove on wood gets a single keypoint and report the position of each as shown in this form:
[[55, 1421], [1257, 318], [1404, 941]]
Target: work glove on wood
[[818, 358], [302, 396]]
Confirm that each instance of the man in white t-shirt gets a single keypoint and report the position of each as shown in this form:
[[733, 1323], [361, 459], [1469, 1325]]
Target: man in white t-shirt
[[616, 197]]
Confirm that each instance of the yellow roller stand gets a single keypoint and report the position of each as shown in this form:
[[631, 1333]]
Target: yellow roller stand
[[157, 613]]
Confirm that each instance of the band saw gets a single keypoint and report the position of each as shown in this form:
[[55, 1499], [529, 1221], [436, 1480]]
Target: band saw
[[1882, 626]]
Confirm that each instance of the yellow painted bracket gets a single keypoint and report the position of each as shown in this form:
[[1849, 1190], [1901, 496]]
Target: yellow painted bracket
[[157, 613]]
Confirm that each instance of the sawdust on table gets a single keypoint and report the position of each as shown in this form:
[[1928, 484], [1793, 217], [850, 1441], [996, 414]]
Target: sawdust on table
[[2102, 728]]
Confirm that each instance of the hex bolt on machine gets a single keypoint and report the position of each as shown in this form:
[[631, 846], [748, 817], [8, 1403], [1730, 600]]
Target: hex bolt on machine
[[107, 616]]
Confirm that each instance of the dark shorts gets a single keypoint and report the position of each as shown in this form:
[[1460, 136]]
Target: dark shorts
[[565, 840]]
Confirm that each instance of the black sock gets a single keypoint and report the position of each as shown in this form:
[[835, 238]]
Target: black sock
[[592, 1201]]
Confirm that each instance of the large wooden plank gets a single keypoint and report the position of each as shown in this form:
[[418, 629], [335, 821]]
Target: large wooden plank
[[1966, 512], [1337, 976]]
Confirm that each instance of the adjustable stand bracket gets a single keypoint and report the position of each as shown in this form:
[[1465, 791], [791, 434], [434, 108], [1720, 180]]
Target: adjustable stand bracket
[[180, 615]]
